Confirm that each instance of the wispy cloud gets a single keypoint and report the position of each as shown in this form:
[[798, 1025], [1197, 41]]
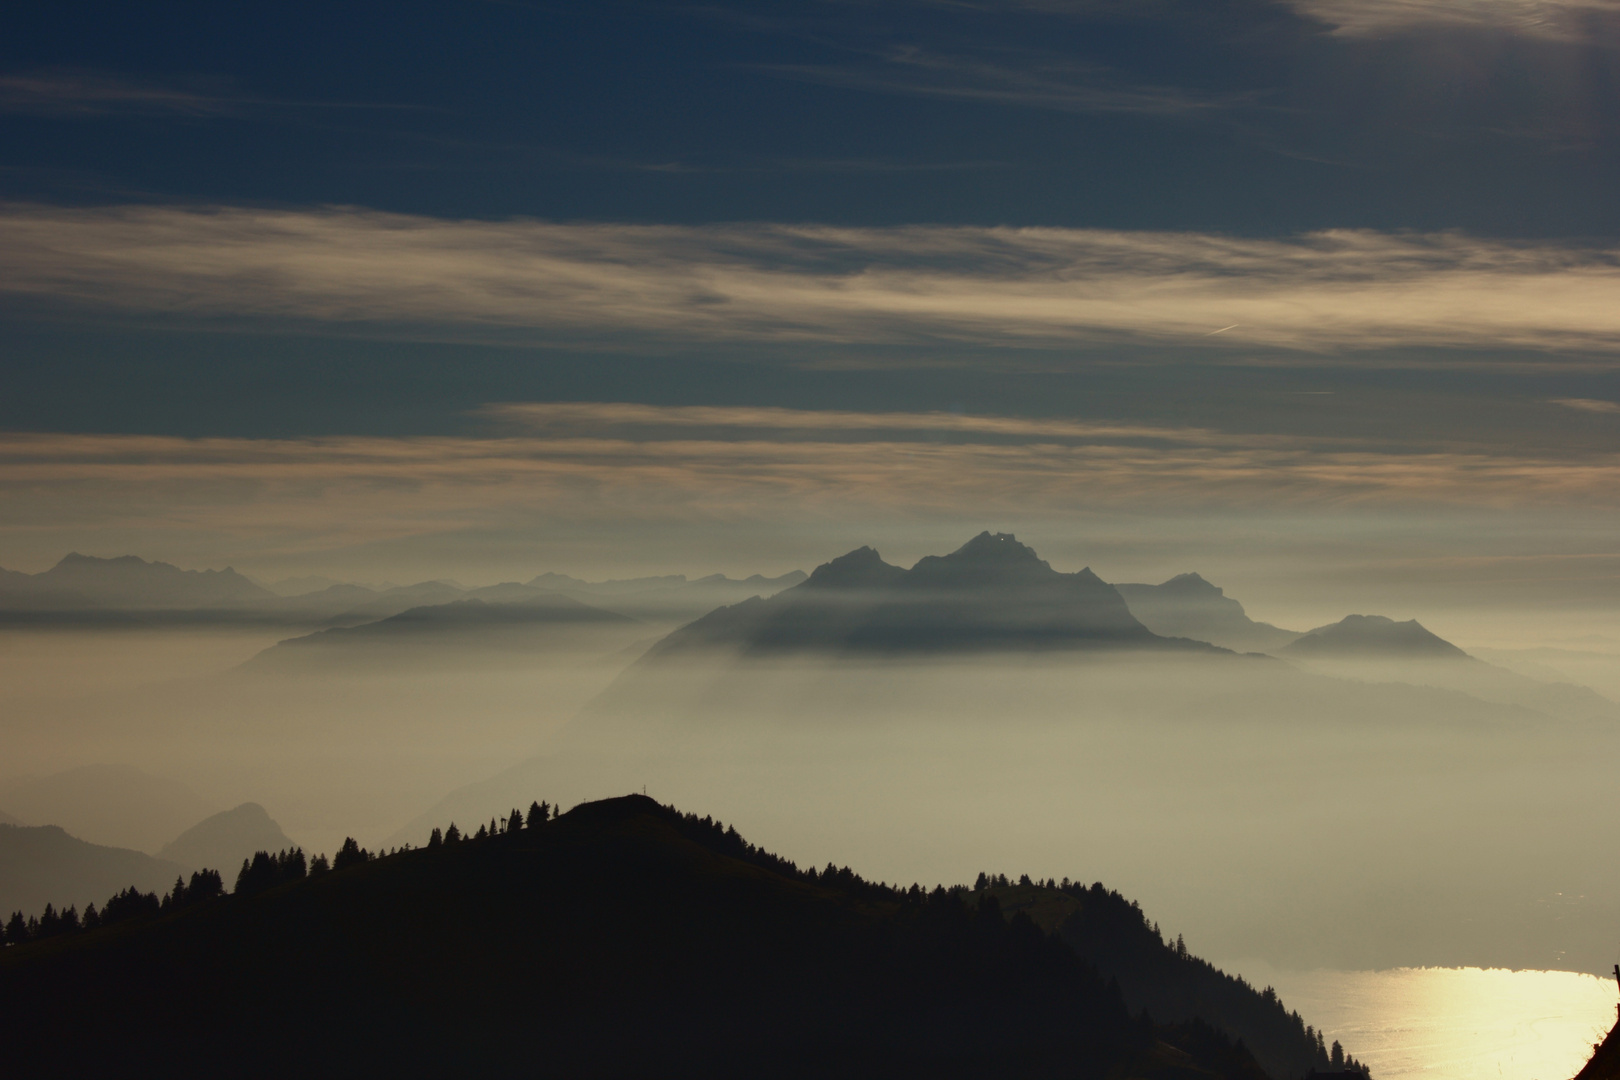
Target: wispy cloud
[[1037, 287], [1594, 405], [619, 472], [74, 92], [1032, 81], [1557, 19], [80, 92]]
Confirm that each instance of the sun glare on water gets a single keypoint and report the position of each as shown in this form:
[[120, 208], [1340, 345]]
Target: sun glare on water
[[1454, 1023]]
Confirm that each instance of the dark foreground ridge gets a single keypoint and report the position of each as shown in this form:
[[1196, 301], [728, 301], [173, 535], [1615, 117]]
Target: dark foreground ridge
[[621, 939]]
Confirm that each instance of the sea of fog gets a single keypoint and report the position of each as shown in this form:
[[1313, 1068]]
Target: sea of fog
[[1452, 1023]]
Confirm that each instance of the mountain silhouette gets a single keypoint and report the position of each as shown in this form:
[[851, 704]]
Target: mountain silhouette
[[530, 621], [1357, 636], [1190, 607], [1112, 934], [132, 583], [993, 593], [671, 599], [622, 939], [1374, 647], [108, 804], [222, 841], [43, 864]]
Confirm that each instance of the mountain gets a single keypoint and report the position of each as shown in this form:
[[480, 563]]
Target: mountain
[[622, 939], [1376, 648], [107, 804], [1188, 606], [396, 600], [670, 600], [1112, 934], [565, 583], [42, 865], [993, 593], [132, 584], [303, 586], [1372, 636], [221, 842], [527, 625]]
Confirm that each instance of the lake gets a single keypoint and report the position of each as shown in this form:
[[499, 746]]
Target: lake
[[1452, 1023]]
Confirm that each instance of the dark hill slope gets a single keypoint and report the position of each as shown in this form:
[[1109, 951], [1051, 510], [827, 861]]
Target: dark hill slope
[[1111, 933], [619, 940], [993, 593]]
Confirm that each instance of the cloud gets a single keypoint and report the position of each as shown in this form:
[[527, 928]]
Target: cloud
[[1556, 19], [1034, 81], [69, 92], [628, 486], [75, 92], [1588, 404], [765, 283]]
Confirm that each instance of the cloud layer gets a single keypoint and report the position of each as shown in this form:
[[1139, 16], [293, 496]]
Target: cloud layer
[[1559, 19], [1035, 287]]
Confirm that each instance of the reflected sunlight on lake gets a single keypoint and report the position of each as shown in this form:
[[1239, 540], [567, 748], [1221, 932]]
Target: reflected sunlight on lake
[[1445, 1023]]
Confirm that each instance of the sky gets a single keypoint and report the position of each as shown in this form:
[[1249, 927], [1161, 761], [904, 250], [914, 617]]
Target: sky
[[1320, 298]]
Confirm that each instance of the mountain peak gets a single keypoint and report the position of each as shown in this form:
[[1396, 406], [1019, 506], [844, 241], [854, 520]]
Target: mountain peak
[[1370, 635], [1192, 583], [996, 547], [862, 568]]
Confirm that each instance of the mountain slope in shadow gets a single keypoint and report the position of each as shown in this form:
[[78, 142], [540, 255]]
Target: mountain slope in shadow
[[1188, 606], [992, 594], [619, 940], [513, 620], [669, 600]]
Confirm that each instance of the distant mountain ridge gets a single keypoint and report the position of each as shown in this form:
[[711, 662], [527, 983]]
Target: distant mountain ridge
[[222, 841], [991, 593], [1188, 606], [127, 583], [1373, 635], [514, 619], [43, 864], [670, 599]]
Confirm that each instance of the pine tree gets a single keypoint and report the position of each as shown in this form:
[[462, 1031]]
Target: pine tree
[[515, 822], [350, 854], [435, 838], [452, 834], [16, 929]]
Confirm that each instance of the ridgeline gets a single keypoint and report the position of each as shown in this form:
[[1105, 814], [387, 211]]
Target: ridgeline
[[620, 939]]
